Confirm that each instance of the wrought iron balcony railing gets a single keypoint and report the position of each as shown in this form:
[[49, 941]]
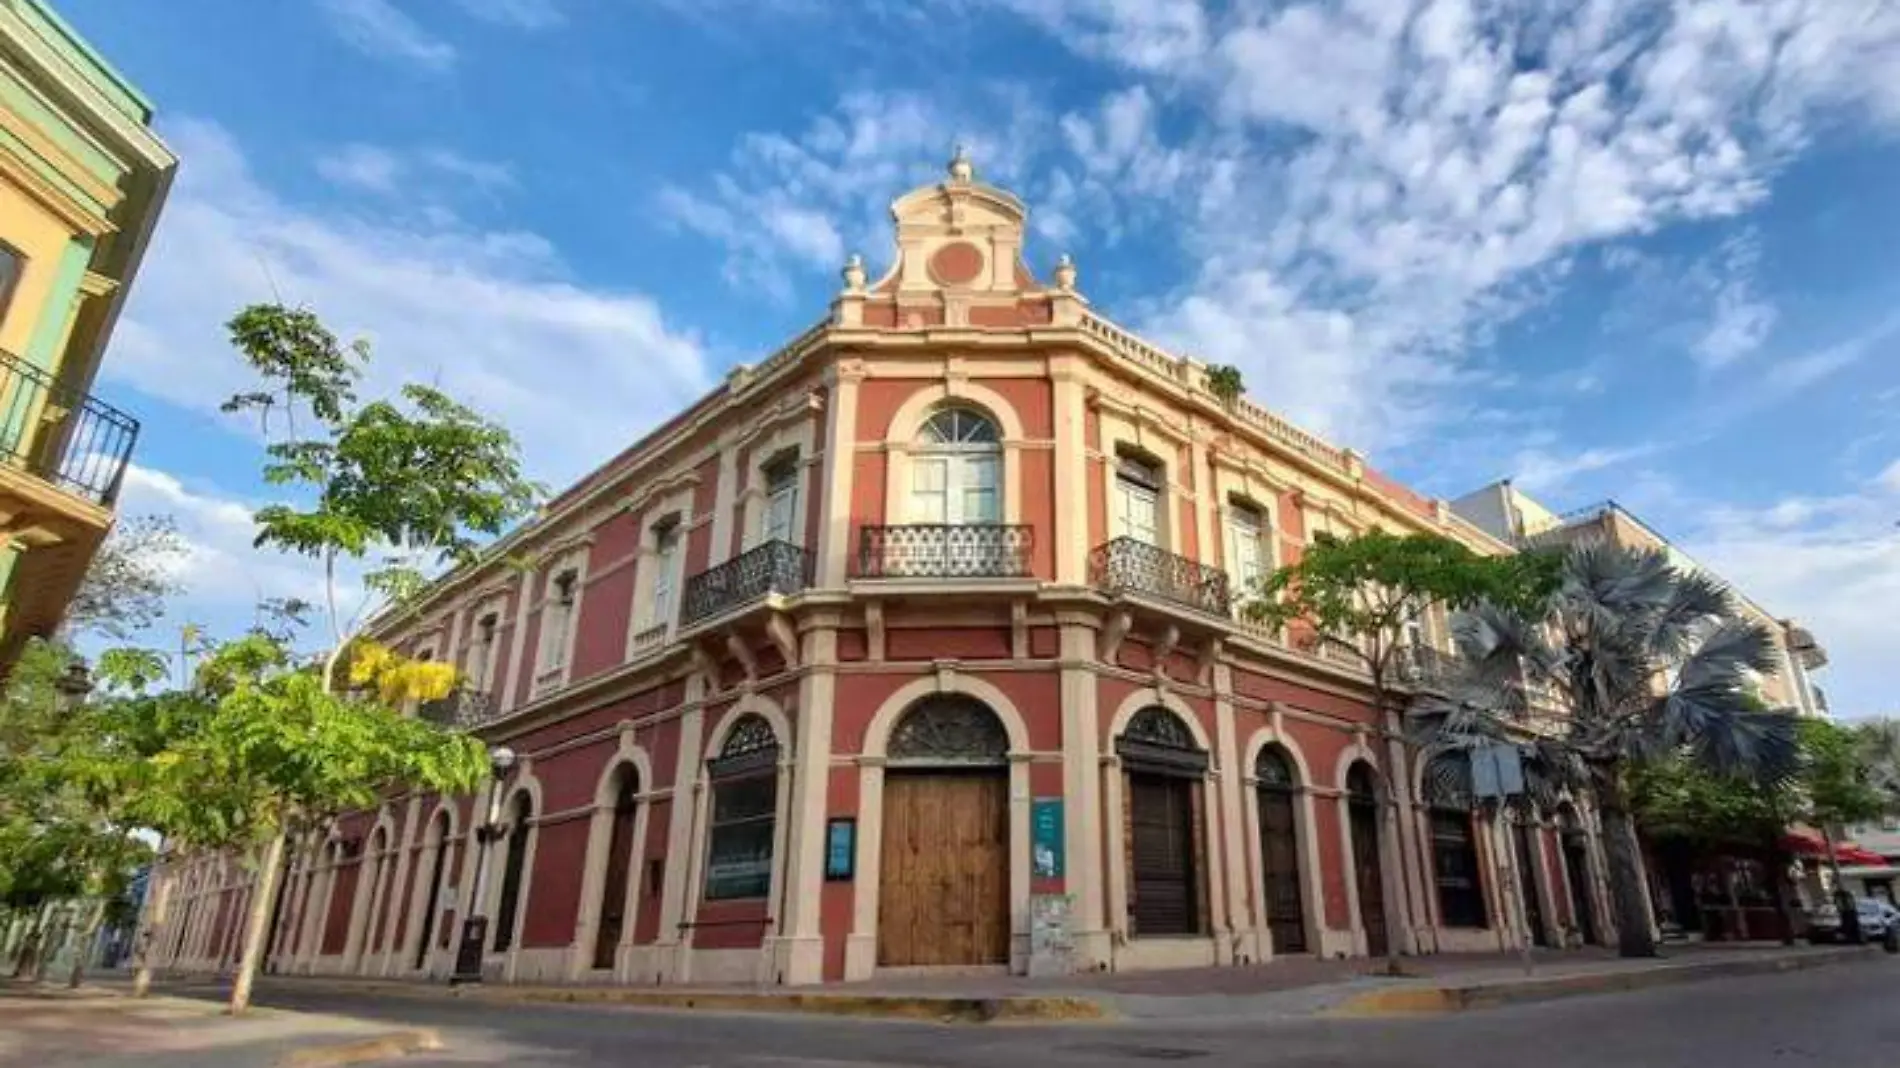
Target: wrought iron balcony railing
[[461, 710], [945, 550], [1128, 565], [774, 567], [1423, 664], [60, 434]]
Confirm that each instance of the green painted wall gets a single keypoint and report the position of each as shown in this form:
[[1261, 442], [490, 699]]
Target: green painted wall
[[16, 96], [42, 350], [57, 32]]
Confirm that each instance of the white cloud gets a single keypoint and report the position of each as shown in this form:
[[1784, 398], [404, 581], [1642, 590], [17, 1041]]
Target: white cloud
[[222, 575], [1425, 170], [1889, 479], [517, 14], [417, 172], [1740, 319], [1833, 564], [379, 28], [1539, 470], [577, 372], [800, 202]]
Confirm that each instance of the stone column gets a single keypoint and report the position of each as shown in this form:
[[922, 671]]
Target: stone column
[[1081, 778], [801, 952]]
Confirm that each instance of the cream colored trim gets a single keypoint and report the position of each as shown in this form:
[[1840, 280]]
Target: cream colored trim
[[725, 496], [628, 754], [867, 889], [688, 786], [546, 678], [419, 893], [525, 782], [1116, 433], [796, 438], [1157, 695], [517, 644], [900, 442], [1305, 829], [839, 473]]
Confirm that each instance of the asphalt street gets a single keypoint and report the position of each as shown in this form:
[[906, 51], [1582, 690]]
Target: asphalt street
[[1842, 1016]]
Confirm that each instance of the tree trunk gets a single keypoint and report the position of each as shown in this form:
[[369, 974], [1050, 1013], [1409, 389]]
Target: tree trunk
[[27, 963], [1633, 937], [257, 927], [89, 935], [155, 914]]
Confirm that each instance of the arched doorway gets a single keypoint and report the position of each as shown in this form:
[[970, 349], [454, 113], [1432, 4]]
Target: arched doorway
[[514, 867], [613, 890], [1576, 850], [944, 879], [1525, 851], [1164, 765], [1456, 868], [1362, 817], [1278, 796], [438, 867]]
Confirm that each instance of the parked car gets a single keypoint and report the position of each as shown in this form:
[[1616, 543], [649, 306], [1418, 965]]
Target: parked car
[[1877, 919]]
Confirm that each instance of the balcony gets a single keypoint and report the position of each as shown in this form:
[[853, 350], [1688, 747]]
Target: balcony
[[1127, 565], [945, 551], [60, 435], [461, 710], [776, 567], [1422, 664]]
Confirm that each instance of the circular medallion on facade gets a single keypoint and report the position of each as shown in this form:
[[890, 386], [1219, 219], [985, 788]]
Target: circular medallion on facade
[[956, 264]]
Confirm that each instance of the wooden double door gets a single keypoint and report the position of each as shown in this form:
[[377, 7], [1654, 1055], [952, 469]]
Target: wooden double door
[[943, 897], [1369, 874]]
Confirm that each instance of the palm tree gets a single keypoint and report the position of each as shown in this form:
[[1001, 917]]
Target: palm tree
[[1630, 660], [1880, 754]]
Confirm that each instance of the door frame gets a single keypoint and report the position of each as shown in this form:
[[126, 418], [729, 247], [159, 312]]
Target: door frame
[[1306, 830], [984, 773], [860, 956]]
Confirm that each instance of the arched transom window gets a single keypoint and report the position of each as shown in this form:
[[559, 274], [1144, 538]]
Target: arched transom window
[[949, 729], [955, 474]]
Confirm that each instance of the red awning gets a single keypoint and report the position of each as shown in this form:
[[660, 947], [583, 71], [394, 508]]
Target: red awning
[[1859, 857], [1811, 847], [1802, 844]]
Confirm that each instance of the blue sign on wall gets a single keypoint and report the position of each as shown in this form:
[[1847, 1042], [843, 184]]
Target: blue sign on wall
[[841, 849], [1045, 838]]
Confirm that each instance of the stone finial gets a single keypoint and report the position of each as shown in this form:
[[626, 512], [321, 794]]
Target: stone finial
[[854, 274], [1065, 273], [962, 171]]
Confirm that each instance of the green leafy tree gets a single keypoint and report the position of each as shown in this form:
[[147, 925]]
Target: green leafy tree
[[1839, 788], [1879, 742], [71, 792], [271, 751], [399, 486], [1360, 597], [1646, 662]]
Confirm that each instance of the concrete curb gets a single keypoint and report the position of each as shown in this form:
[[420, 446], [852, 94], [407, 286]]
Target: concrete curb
[[868, 1006], [871, 1006], [1456, 997], [382, 1047]]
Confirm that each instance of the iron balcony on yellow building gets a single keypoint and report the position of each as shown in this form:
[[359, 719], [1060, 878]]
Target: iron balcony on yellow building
[[82, 180]]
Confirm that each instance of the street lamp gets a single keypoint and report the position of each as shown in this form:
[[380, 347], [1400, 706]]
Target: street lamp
[[73, 685], [468, 955]]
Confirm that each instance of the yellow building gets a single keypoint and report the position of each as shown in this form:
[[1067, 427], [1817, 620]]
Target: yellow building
[[82, 180]]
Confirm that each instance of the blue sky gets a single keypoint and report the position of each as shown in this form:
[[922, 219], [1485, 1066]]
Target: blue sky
[[1639, 249]]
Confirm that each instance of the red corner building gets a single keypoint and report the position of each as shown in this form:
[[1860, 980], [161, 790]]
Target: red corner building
[[917, 645]]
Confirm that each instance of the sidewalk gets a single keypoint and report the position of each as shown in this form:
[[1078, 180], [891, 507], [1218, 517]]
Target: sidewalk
[[46, 1025], [1292, 987]]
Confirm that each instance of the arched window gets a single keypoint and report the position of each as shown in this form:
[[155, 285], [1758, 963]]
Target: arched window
[[1277, 794], [949, 729], [512, 871], [1164, 764], [1368, 866], [613, 891], [956, 471], [744, 811], [1454, 847], [440, 834]]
